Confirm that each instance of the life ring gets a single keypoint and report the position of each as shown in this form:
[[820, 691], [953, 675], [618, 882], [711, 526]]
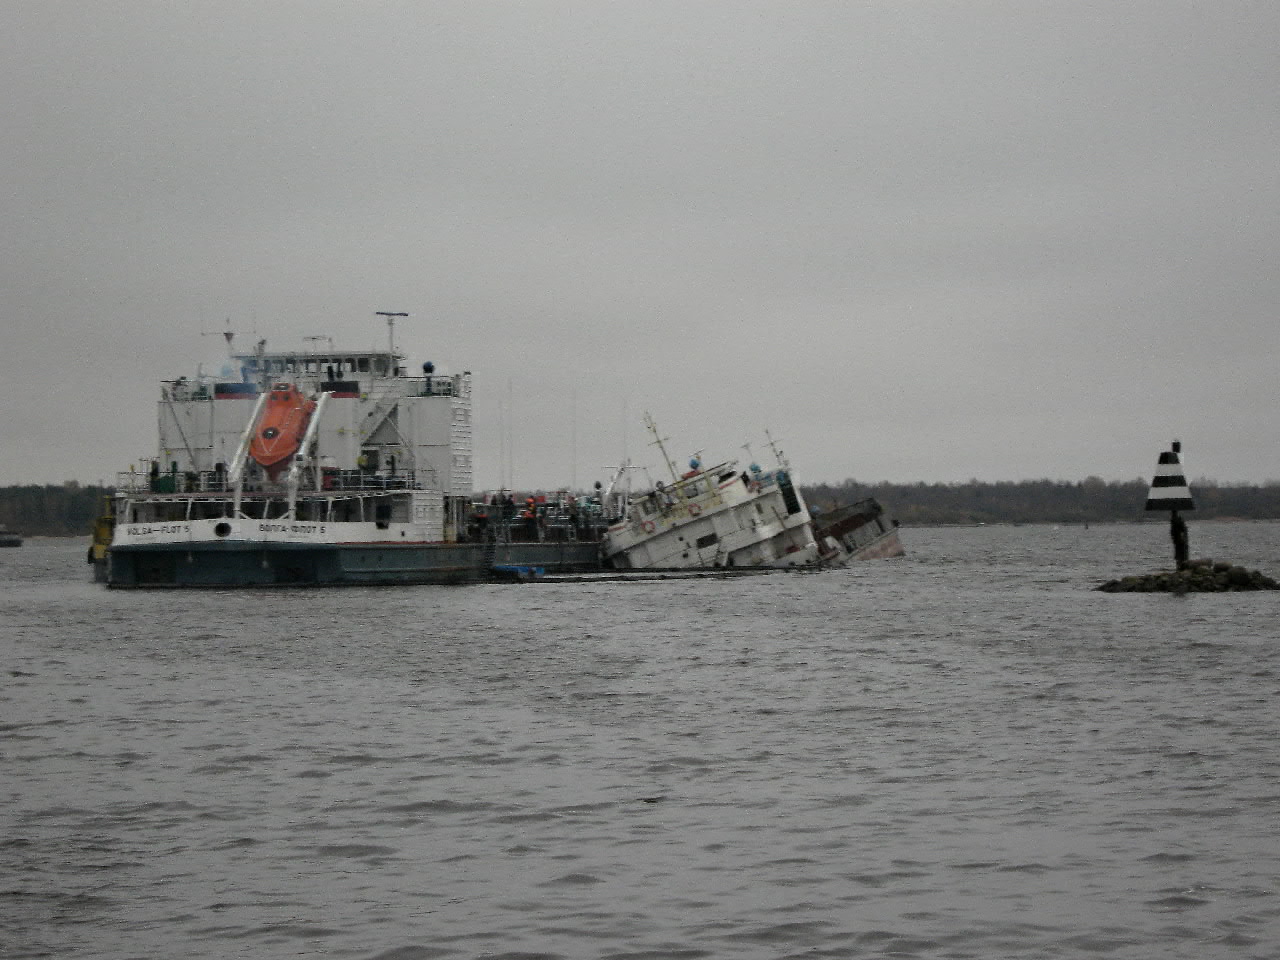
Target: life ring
[[647, 526], [694, 509]]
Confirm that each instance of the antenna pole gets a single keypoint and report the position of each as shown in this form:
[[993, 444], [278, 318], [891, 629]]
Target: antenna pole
[[777, 454], [391, 329], [660, 443]]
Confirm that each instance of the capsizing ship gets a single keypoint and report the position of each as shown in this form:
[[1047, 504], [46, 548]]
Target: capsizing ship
[[338, 467], [721, 517]]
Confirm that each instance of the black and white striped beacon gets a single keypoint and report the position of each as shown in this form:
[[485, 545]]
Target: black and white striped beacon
[[1169, 490]]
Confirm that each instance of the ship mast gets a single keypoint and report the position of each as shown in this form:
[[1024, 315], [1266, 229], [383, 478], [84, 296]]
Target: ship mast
[[391, 330], [777, 453], [228, 335], [660, 443]]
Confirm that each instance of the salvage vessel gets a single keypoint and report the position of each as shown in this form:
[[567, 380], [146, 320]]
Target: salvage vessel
[[319, 466]]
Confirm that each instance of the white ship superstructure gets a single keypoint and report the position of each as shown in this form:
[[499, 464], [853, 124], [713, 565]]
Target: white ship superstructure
[[715, 518], [312, 467], [381, 448], [718, 517]]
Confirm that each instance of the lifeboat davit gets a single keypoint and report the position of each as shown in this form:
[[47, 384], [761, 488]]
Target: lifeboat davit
[[281, 427]]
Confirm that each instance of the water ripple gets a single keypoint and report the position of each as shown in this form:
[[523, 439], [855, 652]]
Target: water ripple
[[968, 753]]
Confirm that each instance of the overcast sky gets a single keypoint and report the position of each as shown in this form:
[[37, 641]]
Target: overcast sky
[[914, 241]]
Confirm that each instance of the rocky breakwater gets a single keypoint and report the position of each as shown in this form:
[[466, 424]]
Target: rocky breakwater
[[1195, 576]]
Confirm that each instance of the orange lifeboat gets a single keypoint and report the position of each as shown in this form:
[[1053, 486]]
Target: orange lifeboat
[[281, 428]]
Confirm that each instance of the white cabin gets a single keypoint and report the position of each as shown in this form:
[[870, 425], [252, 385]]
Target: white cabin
[[377, 420]]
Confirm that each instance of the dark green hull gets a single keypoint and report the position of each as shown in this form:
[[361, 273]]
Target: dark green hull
[[242, 565]]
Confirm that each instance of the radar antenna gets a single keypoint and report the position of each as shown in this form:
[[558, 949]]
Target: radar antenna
[[227, 334]]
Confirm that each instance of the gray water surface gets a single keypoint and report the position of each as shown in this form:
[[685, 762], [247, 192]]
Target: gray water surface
[[964, 753]]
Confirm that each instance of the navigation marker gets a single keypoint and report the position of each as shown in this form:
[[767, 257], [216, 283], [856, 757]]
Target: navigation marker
[[1169, 490]]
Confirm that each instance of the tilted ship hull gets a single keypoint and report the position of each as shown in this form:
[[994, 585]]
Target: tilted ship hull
[[858, 531], [723, 518]]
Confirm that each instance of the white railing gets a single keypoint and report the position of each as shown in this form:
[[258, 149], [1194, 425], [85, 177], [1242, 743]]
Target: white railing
[[213, 482]]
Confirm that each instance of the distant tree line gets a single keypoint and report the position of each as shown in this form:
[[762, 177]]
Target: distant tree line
[[50, 511], [69, 509], [1043, 501]]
